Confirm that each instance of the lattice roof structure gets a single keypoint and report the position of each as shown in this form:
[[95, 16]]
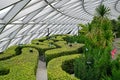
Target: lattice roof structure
[[24, 20]]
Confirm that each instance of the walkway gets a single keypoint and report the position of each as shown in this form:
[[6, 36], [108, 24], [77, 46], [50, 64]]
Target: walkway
[[41, 70], [116, 45]]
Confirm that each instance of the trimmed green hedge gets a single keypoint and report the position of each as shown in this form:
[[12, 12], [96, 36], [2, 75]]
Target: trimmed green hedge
[[48, 41], [65, 50], [41, 47], [38, 40], [10, 52], [55, 71], [22, 67], [60, 44], [58, 37]]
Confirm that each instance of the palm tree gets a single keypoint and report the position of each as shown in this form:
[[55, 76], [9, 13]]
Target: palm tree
[[104, 25], [102, 11]]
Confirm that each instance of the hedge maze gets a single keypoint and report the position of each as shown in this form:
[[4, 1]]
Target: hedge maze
[[20, 62]]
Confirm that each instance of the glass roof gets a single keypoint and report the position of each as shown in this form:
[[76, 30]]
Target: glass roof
[[24, 20]]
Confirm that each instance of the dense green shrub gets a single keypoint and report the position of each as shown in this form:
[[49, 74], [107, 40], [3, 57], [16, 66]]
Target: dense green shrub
[[76, 39], [98, 62], [116, 27], [95, 61], [22, 67], [115, 71], [68, 66], [55, 71], [98, 33]]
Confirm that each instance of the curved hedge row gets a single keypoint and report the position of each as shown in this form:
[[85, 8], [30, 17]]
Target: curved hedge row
[[64, 50], [55, 71], [58, 37], [22, 67], [41, 47], [38, 40], [10, 52]]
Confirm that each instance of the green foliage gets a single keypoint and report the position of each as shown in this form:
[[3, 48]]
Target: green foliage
[[75, 39], [18, 50], [58, 37], [41, 47], [119, 18], [10, 52], [115, 74], [102, 11], [65, 50], [116, 27], [98, 33], [68, 66], [22, 67], [38, 40], [94, 65], [4, 70], [60, 44], [55, 71]]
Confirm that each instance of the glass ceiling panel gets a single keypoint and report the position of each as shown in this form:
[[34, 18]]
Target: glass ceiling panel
[[5, 11], [6, 3], [32, 2], [25, 20], [118, 6]]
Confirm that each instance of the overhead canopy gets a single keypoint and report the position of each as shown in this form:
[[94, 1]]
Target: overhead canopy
[[24, 20]]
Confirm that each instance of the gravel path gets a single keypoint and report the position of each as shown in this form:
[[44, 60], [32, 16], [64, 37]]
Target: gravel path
[[116, 44], [41, 70]]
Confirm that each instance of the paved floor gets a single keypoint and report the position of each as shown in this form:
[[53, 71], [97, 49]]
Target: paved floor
[[41, 71]]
